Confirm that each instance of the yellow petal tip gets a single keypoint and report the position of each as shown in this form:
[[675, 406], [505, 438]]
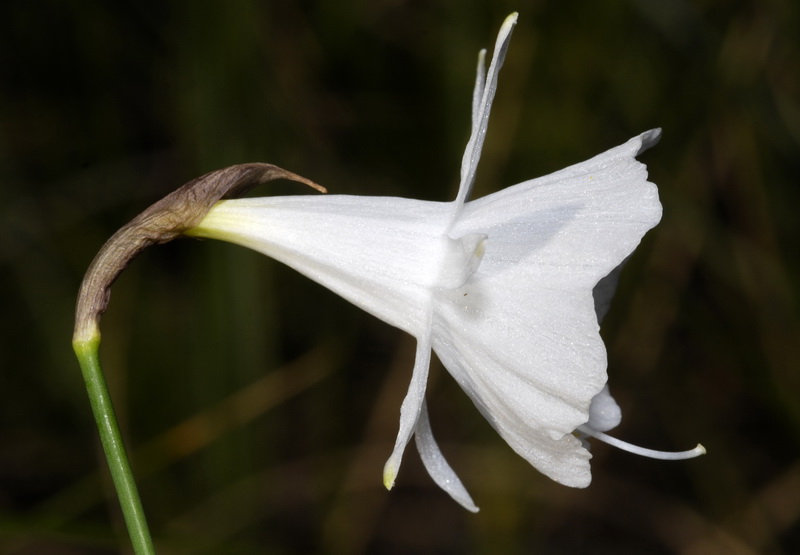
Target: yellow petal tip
[[389, 475]]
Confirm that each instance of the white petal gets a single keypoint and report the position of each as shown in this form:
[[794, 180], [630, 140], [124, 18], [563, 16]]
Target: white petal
[[410, 409], [437, 466], [580, 222], [472, 153], [477, 92], [531, 363], [603, 292], [521, 336], [382, 254]]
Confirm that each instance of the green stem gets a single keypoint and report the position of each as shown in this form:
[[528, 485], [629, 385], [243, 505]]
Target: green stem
[[113, 446]]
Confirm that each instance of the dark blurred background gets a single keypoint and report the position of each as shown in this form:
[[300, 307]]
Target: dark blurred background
[[259, 408]]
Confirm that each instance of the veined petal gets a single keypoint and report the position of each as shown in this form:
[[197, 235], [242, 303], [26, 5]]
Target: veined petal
[[521, 336], [477, 92], [604, 291], [410, 409], [581, 221], [436, 465], [531, 360], [480, 111], [383, 254]]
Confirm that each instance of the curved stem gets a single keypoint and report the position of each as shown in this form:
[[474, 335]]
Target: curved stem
[[113, 446]]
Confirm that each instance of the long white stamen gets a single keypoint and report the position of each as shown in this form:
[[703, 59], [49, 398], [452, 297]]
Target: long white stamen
[[663, 455]]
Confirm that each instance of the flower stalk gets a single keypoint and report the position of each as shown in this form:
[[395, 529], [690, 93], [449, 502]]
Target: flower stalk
[[87, 352]]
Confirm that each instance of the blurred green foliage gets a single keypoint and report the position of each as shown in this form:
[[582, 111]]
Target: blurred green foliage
[[259, 408]]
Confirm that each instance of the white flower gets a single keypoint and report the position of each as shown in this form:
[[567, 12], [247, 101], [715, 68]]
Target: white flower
[[499, 287]]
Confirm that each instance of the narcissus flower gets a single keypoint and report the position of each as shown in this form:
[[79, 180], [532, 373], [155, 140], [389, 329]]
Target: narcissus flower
[[500, 288]]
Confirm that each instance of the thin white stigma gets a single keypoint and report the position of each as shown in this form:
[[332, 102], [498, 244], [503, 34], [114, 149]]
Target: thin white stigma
[[663, 455]]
